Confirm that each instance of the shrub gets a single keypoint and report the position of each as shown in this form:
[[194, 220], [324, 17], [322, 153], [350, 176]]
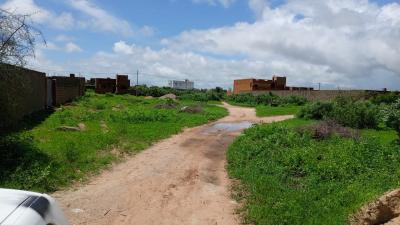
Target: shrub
[[387, 98], [242, 98], [391, 116], [356, 114], [295, 100], [327, 129], [316, 110], [266, 99], [345, 111]]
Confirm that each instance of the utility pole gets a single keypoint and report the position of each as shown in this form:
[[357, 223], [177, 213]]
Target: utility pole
[[137, 82], [319, 86]]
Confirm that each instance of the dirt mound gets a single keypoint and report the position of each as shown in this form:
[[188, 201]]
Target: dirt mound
[[169, 96], [192, 109], [385, 210]]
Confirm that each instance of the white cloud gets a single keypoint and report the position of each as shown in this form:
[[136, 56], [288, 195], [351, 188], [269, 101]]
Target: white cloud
[[71, 47], [64, 38], [345, 43], [320, 41], [101, 20], [39, 14], [224, 3], [122, 48], [258, 6]]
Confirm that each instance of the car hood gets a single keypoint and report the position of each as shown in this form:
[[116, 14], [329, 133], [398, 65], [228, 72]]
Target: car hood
[[10, 200]]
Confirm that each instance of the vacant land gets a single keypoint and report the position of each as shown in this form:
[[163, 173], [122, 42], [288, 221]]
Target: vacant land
[[180, 180], [89, 134], [289, 177]]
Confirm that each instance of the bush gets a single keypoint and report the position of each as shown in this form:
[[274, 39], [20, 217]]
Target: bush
[[387, 98], [356, 114], [345, 111], [327, 129], [266, 99], [295, 100], [316, 110], [216, 94], [391, 116]]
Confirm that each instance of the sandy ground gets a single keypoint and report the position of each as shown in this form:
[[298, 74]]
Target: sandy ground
[[180, 180]]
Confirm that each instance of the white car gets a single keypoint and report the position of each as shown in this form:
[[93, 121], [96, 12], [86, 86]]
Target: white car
[[28, 208]]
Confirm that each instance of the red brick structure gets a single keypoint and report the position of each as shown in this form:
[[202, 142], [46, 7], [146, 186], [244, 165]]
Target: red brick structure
[[105, 85], [123, 84], [255, 85], [250, 85]]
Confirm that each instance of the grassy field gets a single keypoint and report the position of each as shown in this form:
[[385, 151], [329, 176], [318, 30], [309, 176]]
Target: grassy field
[[44, 156], [290, 178], [263, 110]]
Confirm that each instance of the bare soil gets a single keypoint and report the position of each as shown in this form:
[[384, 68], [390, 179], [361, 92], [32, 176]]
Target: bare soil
[[385, 210], [180, 180]]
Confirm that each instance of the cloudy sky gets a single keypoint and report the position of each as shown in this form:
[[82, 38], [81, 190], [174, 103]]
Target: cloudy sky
[[338, 43]]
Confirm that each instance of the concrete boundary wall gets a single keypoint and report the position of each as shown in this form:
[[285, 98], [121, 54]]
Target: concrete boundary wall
[[22, 92], [324, 95]]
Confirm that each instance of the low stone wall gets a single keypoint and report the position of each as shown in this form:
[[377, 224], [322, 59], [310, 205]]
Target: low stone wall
[[324, 95], [22, 92]]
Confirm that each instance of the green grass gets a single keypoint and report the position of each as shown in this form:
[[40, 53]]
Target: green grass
[[289, 178], [43, 158], [263, 110], [214, 102], [385, 136], [240, 104]]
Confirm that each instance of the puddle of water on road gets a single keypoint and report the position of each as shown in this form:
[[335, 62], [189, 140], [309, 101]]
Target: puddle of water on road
[[229, 127]]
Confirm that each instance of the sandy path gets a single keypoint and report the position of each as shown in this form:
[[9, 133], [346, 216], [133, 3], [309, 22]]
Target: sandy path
[[181, 180]]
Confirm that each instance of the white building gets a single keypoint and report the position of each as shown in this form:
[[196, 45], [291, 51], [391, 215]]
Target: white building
[[182, 85]]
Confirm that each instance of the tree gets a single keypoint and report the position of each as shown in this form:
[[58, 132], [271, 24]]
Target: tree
[[17, 38]]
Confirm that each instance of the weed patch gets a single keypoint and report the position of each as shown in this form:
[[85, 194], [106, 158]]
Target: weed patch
[[292, 178]]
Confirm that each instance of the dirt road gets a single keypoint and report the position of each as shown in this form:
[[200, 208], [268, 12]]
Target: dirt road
[[181, 180]]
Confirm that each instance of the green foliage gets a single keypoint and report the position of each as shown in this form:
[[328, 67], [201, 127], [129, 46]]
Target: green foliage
[[345, 111], [41, 157], [290, 178], [263, 110], [265, 99], [391, 116], [316, 110], [386, 98], [216, 94]]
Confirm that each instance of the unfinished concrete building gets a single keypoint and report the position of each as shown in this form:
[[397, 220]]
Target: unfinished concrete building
[[119, 85], [250, 85], [64, 89], [105, 85], [123, 84], [253, 85]]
